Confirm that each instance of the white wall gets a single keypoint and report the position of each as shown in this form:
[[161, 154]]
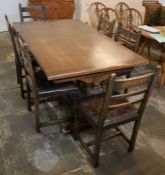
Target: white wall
[[9, 7]]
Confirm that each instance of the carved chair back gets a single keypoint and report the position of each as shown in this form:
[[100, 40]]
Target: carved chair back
[[110, 15], [120, 8], [94, 13], [131, 18]]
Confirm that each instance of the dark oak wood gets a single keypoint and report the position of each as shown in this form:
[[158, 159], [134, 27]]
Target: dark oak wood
[[70, 49], [43, 91], [111, 109], [106, 27], [18, 58], [128, 38]]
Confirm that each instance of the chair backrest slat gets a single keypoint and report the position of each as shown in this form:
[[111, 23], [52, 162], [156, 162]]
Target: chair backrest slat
[[130, 94], [30, 76], [128, 38], [139, 89], [125, 104], [110, 15], [106, 26], [133, 82]]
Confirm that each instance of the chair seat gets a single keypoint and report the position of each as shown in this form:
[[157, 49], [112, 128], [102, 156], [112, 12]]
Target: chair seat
[[46, 89], [91, 109]]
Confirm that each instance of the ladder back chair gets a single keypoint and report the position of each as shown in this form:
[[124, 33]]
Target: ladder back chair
[[120, 8], [94, 13], [106, 27], [18, 58], [37, 12], [40, 90], [114, 108], [128, 38], [131, 18]]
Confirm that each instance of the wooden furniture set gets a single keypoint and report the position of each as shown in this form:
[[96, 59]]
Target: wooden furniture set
[[64, 52], [84, 56]]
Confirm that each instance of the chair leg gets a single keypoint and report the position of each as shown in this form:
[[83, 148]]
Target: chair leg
[[97, 146], [149, 52], [134, 135], [37, 117], [22, 83], [17, 71], [28, 98], [75, 128]]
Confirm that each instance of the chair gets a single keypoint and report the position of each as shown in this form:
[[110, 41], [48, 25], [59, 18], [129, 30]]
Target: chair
[[131, 18], [110, 15], [106, 113], [106, 27], [128, 38], [43, 91], [18, 58], [120, 8], [14, 46], [37, 12], [94, 13]]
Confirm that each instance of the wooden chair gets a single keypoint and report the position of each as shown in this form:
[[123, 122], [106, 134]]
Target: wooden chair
[[14, 46], [120, 8], [43, 90], [18, 58], [38, 12], [110, 15], [94, 13], [106, 27], [109, 111], [131, 18], [128, 38]]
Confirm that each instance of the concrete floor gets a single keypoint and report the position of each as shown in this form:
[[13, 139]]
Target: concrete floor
[[24, 152]]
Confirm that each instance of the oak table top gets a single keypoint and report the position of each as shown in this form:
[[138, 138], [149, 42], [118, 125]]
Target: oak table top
[[69, 48]]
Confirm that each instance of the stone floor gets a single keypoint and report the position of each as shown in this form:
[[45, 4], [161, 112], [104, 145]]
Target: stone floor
[[24, 152]]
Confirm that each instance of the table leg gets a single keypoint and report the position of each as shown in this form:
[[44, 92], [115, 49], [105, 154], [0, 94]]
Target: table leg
[[143, 45]]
